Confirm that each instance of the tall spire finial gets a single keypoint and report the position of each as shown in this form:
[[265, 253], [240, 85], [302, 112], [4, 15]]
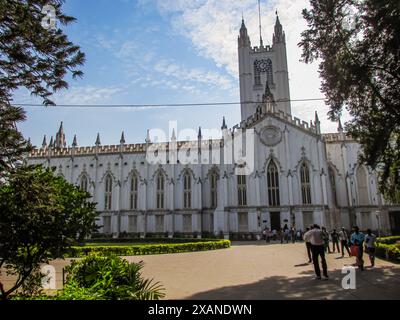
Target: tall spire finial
[[259, 20]]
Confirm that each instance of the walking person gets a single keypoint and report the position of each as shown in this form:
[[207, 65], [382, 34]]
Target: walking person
[[357, 240], [325, 237], [318, 250], [370, 248], [293, 234], [281, 235], [307, 240], [344, 241], [335, 240]]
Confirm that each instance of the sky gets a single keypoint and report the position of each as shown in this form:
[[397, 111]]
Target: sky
[[166, 52]]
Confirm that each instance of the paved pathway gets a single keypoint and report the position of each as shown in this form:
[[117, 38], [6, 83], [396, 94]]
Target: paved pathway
[[259, 271]]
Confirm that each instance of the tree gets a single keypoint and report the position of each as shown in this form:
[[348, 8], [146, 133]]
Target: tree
[[41, 216], [34, 57], [358, 45]]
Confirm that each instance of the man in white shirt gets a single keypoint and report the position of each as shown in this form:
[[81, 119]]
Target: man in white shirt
[[318, 249], [370, 239], [344, 241], [306, 238]]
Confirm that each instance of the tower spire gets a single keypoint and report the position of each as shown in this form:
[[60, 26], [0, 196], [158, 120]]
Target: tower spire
[[259, 20]]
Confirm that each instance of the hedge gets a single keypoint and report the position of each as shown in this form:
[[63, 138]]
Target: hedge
[[147, 240], [388, 248], [147, 249]]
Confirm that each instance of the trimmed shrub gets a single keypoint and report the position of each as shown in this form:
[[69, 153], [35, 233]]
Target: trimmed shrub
[[149, 249], [388, 248]]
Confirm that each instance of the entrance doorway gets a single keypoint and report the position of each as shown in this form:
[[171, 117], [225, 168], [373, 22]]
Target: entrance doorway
[[275, 220], [395, 222]]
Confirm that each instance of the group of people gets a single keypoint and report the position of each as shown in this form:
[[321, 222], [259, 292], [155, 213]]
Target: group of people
[[284, 234], [317, 241]]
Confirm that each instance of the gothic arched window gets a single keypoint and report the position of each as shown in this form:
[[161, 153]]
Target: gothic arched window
[[213, 190], [257, 75], [84, 183], [305, 183], [270, 78], [187, 190], [134, 192], [242, 190], [362, 186], [332, 179], [160, 190], [108, 193], [273, 184]]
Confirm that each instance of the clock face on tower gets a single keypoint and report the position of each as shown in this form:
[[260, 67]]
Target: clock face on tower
[[263, 65]]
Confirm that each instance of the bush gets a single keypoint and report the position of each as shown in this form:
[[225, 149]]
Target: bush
[[133, 250], [108, 277], [148, 240], [388, 248]]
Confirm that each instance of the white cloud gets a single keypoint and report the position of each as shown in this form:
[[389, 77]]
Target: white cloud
[[213, 25], [86, 95]]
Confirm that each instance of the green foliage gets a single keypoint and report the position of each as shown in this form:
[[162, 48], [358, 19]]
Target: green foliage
[[108, 277], [388, 248], [358, 45], [41, 216], [133, 250], [32, 56]]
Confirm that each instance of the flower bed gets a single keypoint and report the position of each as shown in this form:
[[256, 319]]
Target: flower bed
[[148, 249]]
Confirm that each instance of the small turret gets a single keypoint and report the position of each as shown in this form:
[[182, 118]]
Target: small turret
[[148, 140], [44, 143], [279, 34], [51, 142], [98, 142], [317, 123], [60, 141], [340, 127], [243, 39], [122, 141], [224, 126], [75, 142]]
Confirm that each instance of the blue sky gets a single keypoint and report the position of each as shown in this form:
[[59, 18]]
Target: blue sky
[[162, 52]]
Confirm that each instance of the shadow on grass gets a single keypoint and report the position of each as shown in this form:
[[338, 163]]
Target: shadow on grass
[[380, 283]]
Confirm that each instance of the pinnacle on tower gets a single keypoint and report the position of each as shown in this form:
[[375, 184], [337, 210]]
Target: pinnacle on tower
[[316, 118], [173, 136], [148, 140], [243, 39], [74, 142], [199, 134], [60, 141], [122, 141], [44, 143], [224, 126], [98, 142], [51, 142], [279, 34]]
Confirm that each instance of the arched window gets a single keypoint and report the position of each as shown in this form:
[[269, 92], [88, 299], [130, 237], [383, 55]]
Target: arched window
[[187, 190], [305, 183], [84, 183], [273, 185], [257, 75], [213, 190], [270, 78], [362, 186], [332, 179], [242, 192], [134, 192], [160, 190], [108, 193]]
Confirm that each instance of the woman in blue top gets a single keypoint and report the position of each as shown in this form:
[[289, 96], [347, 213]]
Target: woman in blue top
[[357, 239]]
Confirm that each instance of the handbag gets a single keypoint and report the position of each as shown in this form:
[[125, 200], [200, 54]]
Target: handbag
[[354, 251]]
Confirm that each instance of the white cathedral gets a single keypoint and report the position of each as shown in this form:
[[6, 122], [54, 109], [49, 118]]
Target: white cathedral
[[300, 175]]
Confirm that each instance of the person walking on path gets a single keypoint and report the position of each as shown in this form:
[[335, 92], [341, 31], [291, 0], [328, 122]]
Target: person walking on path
[[307, 240], [344, 241], [293, 234], [370, 239], [357, 240], [325, 236], [318, 250], [281, 235], [335, 240]]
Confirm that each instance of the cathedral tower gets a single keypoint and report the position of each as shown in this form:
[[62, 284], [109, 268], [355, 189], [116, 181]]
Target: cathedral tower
[[260, 66]]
